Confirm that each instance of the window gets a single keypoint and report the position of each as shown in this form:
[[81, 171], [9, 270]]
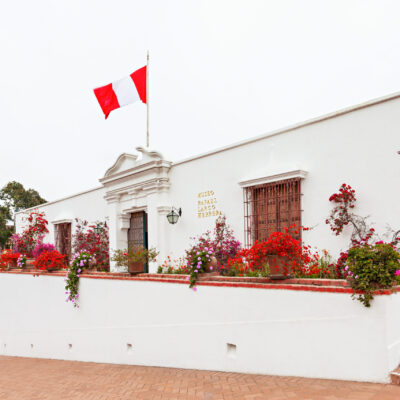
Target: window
[[62, 238], [270, 207]]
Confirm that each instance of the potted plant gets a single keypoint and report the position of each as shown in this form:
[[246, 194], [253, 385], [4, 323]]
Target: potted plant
[[134, 258]]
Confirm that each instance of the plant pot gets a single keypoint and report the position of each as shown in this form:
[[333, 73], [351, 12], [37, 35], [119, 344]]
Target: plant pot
[[12, 264], [135, 267], [52, 269], [212, 265], [278, 266], [30, 263]]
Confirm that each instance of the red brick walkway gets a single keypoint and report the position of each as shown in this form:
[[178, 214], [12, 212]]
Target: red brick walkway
[[37, 379]]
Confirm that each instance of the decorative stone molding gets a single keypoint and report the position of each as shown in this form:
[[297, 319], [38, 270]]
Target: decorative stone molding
[[124, 221], [124, 158], [274, 177], [112, 197]]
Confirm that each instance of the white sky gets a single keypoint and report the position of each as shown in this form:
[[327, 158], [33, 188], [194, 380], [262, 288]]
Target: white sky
[[221, 71]]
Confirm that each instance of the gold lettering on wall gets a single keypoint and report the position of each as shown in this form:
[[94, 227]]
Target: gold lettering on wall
[[206, 205]]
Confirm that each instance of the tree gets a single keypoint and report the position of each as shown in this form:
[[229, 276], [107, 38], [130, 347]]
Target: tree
[[14, 196]]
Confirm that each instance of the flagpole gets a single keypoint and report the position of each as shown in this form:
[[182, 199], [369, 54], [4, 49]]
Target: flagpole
[[147, 101]]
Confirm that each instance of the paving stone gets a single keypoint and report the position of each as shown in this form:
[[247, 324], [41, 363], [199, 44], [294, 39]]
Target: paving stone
[[39, 379]]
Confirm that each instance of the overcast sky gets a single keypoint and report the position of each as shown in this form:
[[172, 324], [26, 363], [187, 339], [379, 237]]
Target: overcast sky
[[221, 71]]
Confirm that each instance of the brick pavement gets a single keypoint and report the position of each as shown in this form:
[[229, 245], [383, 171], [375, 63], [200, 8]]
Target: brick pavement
[[39, 379]]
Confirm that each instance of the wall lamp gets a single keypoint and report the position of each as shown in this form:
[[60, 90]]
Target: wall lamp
[[174, 215]]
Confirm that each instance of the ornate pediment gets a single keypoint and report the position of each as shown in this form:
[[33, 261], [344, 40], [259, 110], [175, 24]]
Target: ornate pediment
[[124, 162]]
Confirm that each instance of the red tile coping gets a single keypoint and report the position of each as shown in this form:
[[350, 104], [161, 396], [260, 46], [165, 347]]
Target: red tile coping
[[311, 285]]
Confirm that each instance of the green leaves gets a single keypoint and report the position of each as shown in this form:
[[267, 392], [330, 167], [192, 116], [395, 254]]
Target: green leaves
[[373, 267], [14, 196]]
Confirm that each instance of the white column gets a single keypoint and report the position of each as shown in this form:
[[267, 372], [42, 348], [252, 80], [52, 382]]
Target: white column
[[116, 235], [163, 237]]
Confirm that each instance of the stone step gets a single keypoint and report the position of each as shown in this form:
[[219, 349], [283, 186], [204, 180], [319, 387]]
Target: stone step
[[395, 376]]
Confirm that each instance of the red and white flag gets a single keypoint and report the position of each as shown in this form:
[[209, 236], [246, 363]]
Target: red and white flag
[[123, 92]]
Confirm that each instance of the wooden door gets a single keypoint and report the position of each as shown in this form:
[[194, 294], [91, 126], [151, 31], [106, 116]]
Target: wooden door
[[137, 232], [62, 238]]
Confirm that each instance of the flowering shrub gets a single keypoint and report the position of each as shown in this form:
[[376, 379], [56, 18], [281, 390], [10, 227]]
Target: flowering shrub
[[21, 262], [176, 266], [281, 244], [32, 235], [50, 260], [41, 247], [133, 254], [79, 262], [318, 266], [221, 244], [372, 267], [199, 259], [225, 244], [7, 256], [93, 239]]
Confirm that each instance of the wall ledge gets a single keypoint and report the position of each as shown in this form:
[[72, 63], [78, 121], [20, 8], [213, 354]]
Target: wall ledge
[[299, 284]]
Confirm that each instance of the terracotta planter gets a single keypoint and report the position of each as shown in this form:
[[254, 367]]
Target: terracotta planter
[[52, 269], [135, 267], [12, 264], [212, 265], [277, 265], [30, 263]]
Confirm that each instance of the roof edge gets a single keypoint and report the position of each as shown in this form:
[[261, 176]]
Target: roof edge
[[293, 127], [61, 199]]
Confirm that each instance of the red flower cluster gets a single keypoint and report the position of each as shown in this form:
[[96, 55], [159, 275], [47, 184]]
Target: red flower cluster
[[7, 256], [32, 235], [49, 260], [340, 215], [281, 244], [93, 239]]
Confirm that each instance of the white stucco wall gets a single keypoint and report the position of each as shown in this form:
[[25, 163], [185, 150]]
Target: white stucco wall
[[357, 147], [89, 206], [282, 332]]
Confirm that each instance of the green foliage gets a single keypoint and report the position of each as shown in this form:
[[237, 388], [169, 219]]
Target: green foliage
[[14, 196], [372, 267], [79, 263], [133, 254]]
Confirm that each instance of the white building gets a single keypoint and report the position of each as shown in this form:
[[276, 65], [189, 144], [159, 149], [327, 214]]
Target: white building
[[304, 164]]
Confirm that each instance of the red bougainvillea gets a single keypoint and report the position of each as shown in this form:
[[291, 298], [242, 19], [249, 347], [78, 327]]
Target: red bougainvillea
[[7, 256], [94, 240], [298, 257], [33, 234], [341, 215], [49, 260]]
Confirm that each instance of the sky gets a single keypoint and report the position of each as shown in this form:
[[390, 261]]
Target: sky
[[221, 71]]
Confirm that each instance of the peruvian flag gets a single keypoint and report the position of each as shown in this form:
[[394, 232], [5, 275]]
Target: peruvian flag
[[123, 92]]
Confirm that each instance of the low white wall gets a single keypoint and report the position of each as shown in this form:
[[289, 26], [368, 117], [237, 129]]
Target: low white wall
[[279, 332]]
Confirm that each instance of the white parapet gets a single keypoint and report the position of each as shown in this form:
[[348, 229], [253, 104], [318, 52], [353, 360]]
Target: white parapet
[[274, 331]]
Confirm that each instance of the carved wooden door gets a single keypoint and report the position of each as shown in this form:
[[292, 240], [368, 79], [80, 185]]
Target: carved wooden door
[[62, 238], [137, 232]]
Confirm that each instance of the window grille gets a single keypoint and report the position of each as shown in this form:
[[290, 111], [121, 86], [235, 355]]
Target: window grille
[[270, 208]]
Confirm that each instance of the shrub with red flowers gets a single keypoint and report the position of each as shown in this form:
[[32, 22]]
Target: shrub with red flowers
[[94, 240], [342, 215], [33, 234], [50, 260], [7, 257], [282, 244], [41, 247]]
